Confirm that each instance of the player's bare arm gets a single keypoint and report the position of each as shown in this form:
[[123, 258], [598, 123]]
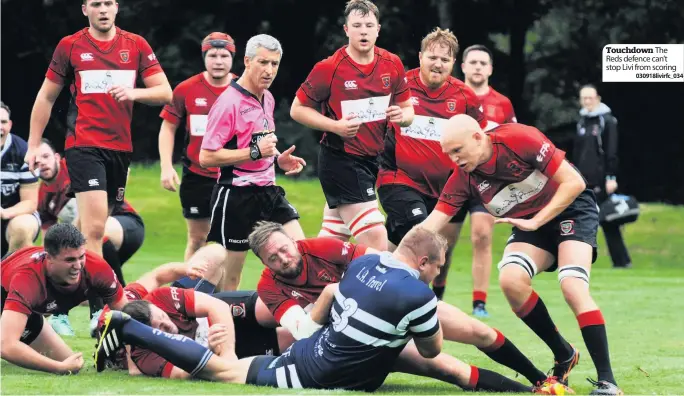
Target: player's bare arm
[[436, 220], [167, 135], [157, 92], [40, 115], [218, 313], [12, 324], [321, 309], [162, 275], [429, 347], [28, 204], [312, 118], [570, 186], [227, 157], [401, 113]]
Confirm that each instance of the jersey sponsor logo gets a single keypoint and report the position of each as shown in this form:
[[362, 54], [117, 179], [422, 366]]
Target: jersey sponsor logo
[[25, 334], [201, 102], [368, 109], [237, 240], [415, 101], [567, 227], [370, 191], [194, 210], [51, 306], [515, 168], [93, 182], [424, 127], [113, 285], [325, 276], [238, 310], [517, 193], [9, 189], [100, 81], [346, 247], [416, 212], [296, 294], [293, 209], [385, 80], [87, 57], [248, 109], [130, 295], [198, 124], [350, 84], [152, 57], [484, 186], [125, 56], [451, 105], [543, 151], [120, 193]]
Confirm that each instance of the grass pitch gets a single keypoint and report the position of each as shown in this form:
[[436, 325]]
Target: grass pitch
[[642, 306]]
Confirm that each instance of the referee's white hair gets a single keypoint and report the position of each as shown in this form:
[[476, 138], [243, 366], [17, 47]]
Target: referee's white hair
[[263, 41]]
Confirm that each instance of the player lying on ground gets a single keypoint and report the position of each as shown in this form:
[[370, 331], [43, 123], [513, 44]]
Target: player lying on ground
[[520, 177], [38, 281], [184, 312], [297, 272], [364, 318]]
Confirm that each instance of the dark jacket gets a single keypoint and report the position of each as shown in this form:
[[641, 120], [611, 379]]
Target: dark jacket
[[595, 146]]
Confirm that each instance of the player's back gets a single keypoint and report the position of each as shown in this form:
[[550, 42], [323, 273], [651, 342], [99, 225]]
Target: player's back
[[378, 301]]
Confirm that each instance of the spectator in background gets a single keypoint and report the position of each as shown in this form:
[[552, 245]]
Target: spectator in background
[[594, 153]]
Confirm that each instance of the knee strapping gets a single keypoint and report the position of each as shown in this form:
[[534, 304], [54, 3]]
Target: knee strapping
[[333, 226], [366, 220], [573, 271], [521, 259]]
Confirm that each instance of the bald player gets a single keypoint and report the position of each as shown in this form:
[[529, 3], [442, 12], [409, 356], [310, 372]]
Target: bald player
[[524, 180]]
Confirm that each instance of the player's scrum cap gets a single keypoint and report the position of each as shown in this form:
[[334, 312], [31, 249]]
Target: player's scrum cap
[[218, 40]]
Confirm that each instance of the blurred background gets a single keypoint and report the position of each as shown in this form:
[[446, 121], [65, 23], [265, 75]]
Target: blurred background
[[543, 52]]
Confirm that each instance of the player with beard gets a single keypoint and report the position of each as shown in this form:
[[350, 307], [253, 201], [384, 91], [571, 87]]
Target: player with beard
[[192, 100], [477, 68], [413, 169], [101, 63], [20, 221], [297, 272], [353, 96]]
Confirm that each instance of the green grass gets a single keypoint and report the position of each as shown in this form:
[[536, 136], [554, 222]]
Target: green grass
[[642, 306]]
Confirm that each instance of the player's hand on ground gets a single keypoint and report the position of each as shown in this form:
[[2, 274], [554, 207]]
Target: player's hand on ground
[[394, 114], [522, 224], [72, 364], [121, 93], [169, 179], [348, 126], [291, 164], [267, 146], [611, 186]]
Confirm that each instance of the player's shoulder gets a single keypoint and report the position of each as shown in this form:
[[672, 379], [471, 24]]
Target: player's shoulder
[[318, 244], [515, 135], [390, 57], [131, 36], [26, 255], [135, 291], [413, 74], [70, 39], [498, 95], [18, 145], [459, 86], [189, 82]]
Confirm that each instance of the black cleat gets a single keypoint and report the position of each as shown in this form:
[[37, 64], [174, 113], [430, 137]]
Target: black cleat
[[110, 342], [562, 370]]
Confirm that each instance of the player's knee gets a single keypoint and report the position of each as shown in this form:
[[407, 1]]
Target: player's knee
[[370, 223], [574, 282], [516, 272], [333, 226], [481, 238]]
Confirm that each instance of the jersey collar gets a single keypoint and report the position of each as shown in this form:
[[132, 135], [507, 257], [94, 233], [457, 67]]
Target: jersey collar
[[388, 260]]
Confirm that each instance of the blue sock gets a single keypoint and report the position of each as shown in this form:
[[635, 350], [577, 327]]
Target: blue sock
[[180, 350]]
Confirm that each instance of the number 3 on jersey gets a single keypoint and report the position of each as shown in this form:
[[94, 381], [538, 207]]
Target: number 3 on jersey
[[340, 321]]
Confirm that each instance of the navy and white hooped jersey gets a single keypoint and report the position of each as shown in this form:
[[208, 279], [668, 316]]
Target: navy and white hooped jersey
[[13, 171], [379, 306]]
